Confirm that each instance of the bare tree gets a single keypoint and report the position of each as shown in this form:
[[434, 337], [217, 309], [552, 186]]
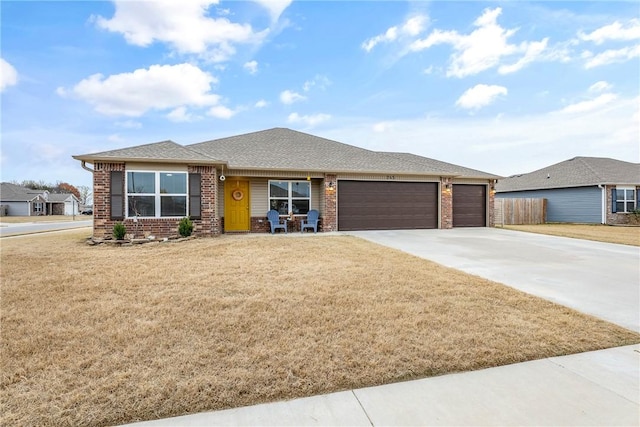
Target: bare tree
[[85, 194]]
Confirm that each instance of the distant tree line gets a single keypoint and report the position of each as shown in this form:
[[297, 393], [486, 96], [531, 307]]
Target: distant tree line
[[82, 192]]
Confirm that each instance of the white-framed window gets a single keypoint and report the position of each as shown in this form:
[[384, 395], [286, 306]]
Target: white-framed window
[[38, 207], [156, 194], [290, 196], [625, 199]]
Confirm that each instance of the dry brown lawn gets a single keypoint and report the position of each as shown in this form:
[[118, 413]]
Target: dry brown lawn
[[600, 233], [106, 335]]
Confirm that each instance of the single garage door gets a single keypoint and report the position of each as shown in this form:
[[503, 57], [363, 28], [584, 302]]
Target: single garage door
[[375, 205], [469, 205]]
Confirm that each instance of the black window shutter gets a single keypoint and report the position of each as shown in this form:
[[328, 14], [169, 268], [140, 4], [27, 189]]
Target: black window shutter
[[613, 200], [117, 195], [195, 196]]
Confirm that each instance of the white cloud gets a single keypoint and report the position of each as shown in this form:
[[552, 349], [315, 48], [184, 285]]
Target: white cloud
[[275, 7], [533, 52], [600, 86], [159, 87], [180, 115], [590, 105], [251, 67], [309, 120], [184, 26], [8, 75], [319, 81], [221, 112], [411, 27], [480, 96], [129, 124], [381, 127], [483, 48], [289, 97], [261, 104], [115, 138], [611, 56], [615, 31]]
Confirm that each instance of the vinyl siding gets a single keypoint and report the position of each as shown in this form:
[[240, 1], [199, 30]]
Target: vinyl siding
[[578, 204]]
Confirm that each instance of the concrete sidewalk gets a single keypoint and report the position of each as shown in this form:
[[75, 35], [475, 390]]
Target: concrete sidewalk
[[596, 388]]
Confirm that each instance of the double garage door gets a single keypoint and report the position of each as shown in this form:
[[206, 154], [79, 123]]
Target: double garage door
[[384, 205]]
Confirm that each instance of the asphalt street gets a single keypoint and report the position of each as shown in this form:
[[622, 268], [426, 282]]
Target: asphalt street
[[7, 230]]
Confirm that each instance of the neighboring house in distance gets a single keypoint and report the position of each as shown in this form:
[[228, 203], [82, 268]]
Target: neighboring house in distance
[[21, 201], [229, 184], [63, 204], [582, 190]]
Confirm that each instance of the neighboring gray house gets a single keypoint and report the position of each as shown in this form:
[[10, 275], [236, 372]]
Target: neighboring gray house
[[21, 201], [582, 190]]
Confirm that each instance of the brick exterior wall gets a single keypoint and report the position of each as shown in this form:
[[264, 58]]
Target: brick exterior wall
[[102, 224], [491, 207], [208, 225], [619, 218], [329, 220], [446, 204]]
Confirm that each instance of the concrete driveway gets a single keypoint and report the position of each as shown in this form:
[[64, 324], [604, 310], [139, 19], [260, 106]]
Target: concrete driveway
[[601, 279]]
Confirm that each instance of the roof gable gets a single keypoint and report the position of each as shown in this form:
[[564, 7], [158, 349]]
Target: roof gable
[[576, 172]]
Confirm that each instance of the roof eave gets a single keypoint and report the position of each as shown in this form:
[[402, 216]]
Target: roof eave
[[94, 159]]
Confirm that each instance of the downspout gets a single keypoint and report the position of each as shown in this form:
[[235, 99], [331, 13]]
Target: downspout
[[84, 166], [603, 215]]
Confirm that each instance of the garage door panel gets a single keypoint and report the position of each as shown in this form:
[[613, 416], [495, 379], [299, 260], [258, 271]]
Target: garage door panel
[[469, 205], [375, 205]]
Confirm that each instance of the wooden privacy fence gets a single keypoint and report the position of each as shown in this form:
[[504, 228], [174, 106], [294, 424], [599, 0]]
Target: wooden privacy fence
[[520, 211]]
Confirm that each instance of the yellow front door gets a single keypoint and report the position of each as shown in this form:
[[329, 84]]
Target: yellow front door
[[236, 205]]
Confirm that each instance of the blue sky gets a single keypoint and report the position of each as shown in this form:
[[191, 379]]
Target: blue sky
[[503, 87]]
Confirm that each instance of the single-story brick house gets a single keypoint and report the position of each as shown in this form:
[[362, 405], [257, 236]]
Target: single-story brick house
[[229, 184], [581, 190], [21, 201]]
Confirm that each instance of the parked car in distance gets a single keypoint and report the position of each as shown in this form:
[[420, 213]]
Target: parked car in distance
[[87, 212]]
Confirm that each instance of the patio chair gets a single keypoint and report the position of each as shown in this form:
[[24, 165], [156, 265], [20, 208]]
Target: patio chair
[[274, 220], [311, 221]]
